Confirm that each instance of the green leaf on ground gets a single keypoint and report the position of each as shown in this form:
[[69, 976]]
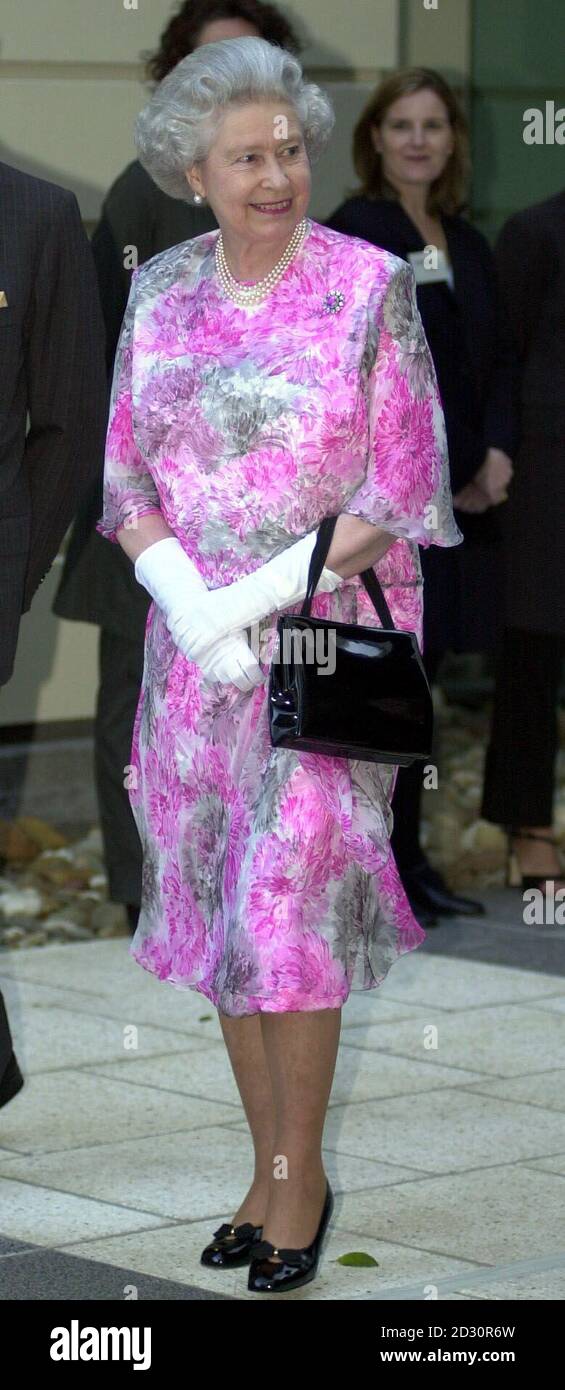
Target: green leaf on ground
[[357, 1257]]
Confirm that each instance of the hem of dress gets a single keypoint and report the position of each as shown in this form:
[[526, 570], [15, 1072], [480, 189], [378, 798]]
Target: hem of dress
[[264, 1004]]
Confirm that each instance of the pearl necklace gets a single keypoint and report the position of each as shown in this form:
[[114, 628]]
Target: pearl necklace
[[242, 295]]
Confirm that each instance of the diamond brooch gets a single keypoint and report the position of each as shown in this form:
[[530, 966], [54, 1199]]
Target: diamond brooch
[[333, 302]]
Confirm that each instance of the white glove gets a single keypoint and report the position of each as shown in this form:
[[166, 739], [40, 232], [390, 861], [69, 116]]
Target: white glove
[[276, 585], [231, 661], [174, 583]]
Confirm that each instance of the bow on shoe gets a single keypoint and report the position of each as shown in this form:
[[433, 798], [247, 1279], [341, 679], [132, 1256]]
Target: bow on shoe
[[263, 1250], [246, 1229]]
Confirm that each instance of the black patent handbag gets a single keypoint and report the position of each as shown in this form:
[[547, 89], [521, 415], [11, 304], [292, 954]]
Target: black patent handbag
[[348, 691]]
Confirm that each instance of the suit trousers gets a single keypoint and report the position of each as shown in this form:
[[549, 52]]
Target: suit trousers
[[15, 527], [6, 1044], [519, 782], [120, 662], [407, 795]]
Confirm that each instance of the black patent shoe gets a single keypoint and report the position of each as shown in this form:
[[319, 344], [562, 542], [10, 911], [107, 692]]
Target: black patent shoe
[[297, 1267], [11, 1082], [231, 1246], [427, 890]]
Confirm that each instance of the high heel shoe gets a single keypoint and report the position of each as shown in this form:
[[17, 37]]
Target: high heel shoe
[[297, 1267], [514, 876], [231, 1246]]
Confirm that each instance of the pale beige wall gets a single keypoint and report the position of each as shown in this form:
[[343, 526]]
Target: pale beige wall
[[72, 82], [437, 34]]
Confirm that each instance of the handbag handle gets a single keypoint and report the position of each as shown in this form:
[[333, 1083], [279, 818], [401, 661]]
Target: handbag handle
[[368, 576]]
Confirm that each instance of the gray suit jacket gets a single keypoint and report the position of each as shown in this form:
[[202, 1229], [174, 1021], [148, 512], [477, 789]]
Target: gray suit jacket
[[54, 400]]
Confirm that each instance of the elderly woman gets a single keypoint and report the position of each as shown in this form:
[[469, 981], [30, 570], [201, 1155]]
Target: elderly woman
[[267, 375]]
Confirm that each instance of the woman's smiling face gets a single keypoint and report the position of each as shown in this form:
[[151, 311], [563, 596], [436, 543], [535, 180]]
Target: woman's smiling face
[[256, 177], [415, 139]]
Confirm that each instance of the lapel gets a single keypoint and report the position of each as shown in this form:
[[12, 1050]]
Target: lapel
[[465, 283], [413, 240]]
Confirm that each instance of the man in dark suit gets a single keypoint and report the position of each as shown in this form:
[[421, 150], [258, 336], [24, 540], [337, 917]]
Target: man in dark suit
[[53, 409]]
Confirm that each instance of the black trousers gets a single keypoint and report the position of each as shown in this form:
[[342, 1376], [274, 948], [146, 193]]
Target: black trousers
[[5, 1037], [120, 663], [519, 782], [519, 773], [407, 796]]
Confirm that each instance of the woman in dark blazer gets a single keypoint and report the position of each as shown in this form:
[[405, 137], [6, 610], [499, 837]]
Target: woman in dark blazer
[[411, 154]]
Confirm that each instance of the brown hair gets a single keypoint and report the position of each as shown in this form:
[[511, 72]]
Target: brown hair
[[182, 32], [448, 193]]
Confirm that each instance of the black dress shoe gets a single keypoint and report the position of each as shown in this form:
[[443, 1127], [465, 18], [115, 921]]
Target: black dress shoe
[[12, 1081], [297, 1267], [426, 889], [231, 1246]]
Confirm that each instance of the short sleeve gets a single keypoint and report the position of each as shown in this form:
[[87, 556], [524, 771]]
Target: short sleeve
[[406, 489], [129, 491]]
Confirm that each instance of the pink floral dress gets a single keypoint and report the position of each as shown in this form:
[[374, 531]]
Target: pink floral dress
[[268, 877]]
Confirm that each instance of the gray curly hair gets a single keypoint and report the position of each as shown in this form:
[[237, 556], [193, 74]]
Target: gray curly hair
[[179, 124]]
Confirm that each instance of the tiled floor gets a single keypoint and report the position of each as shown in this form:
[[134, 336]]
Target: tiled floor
[[444, 1141]]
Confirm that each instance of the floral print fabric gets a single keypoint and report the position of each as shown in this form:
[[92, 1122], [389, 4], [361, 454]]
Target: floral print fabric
[[268, 878]]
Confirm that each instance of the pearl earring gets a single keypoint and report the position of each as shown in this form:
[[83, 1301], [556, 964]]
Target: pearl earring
[[197, 198]]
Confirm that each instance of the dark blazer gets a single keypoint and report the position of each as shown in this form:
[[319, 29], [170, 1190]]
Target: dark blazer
[[476, 364], [530, 254], [98, 583], [53, 402]]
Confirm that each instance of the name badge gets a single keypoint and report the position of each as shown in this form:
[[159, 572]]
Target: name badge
[[430, 266]]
